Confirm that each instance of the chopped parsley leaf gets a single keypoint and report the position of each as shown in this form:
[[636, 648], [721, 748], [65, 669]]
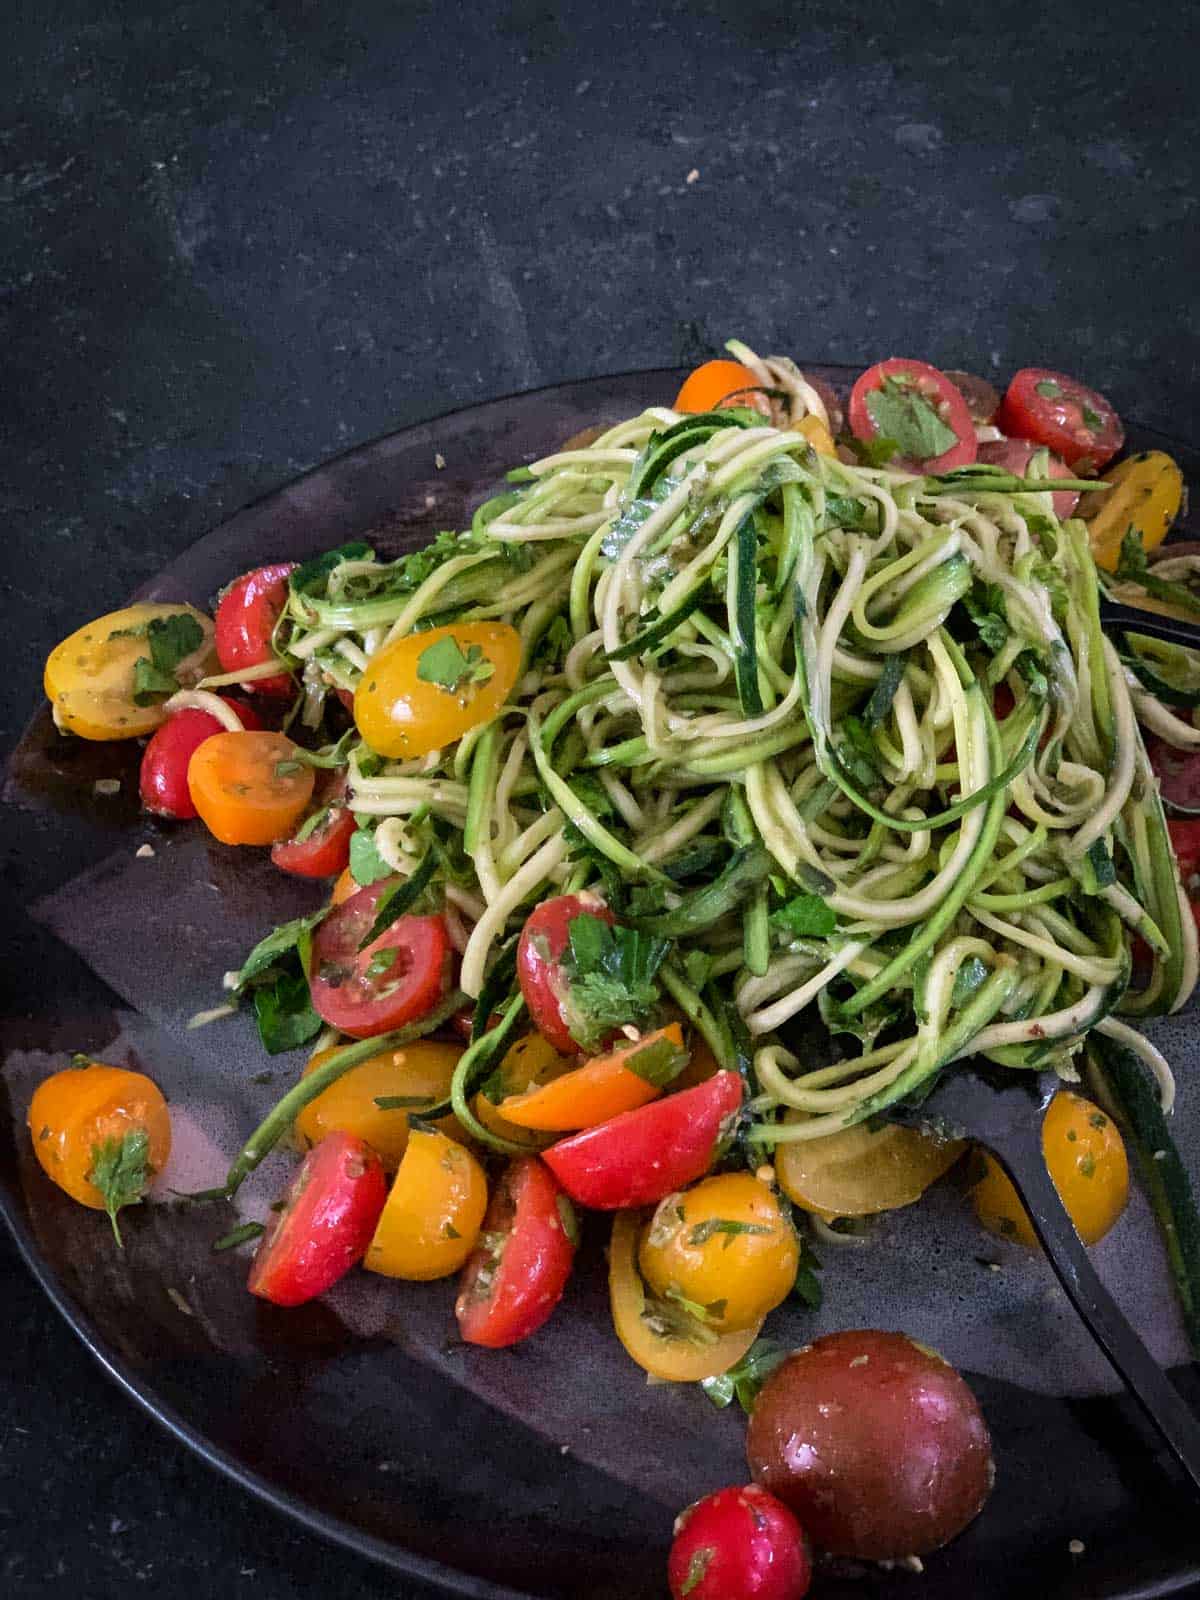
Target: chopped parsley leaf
[[901, 412], [121, 1170], [446, 664]]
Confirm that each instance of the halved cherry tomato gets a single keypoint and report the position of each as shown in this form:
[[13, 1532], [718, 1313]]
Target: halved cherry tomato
[[344, 888], [599, 1090], [246, 619], [738, 1544], [84, 1119], [983, 398], [723, 1244], [399, 976], [1085, 1155], [1146, 493], [544, 940], [433, 1214], [928, 388], [1052, 409], [418, 1076], [528, 1063], [249, 788], [704, 389], [1014, 456], [330, 1212], [679, 1350], [1177, 771], [1185, 841], [859, 1171], [519, 1268], [89, 677], [642, 1155], [163, 776], [428, 689], [324, 852], [817, 434]]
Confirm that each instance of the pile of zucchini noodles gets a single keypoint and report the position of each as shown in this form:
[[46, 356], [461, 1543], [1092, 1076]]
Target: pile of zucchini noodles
[[763, 686]]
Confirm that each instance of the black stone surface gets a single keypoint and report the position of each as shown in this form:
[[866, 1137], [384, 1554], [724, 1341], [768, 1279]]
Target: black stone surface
[[235, 239]]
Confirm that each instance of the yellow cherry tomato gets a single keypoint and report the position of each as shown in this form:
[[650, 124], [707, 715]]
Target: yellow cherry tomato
[[433, 1213], [89, 677], [419, 1075], [1146, 494], [529, 1062], [675, 1349], [425, 691], [725, 1245], [817, 434], [1085, 1155], [857, 1172]]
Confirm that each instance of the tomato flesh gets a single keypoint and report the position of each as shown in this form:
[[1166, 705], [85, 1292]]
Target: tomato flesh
[[738, 1544], [245, 623], [932, 386], [1058, 411], [1177, 771], [1185, 841], [163, 776], [519, 1270], [324, 853], [330, 1214], [637, 1158], [365, 992], [544, 940], [1014, 455]]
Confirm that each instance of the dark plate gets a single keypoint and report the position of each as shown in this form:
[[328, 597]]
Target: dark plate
[[550, 1470]]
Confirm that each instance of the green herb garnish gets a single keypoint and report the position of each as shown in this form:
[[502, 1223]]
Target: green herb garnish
[[446, 664], [120, 1171]]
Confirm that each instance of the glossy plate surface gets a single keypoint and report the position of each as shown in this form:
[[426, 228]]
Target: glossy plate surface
[[552, 1469]]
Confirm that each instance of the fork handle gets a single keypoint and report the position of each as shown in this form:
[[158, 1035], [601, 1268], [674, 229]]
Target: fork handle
[[1020, 1154]]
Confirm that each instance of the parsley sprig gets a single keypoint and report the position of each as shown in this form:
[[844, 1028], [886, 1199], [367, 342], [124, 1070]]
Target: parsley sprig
[[611, 977]]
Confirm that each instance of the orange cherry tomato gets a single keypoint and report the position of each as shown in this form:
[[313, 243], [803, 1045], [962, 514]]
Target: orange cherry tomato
[[249, 788], [101, 1133], [418, 1075], [1086, 1158], [704, 389], [529, 1063], [345, 886], [426, 690], [434, 1211], [600, 1089]]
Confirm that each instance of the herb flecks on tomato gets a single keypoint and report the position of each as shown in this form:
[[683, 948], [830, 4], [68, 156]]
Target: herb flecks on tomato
[[395, 979], [919, 410], [1058, 411]]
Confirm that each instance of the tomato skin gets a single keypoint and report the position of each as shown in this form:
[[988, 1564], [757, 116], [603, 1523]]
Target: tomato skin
[[245, 789], [712, 382], [599, 1090], [1014, 456], [331, 1211], [417, 1071], [74, 1110], [544, 938], [529, 1210], [434, 1211], [358, 1004], [326, 851], [163, 775], [1058, 421], [983, 399], [937, 388], [738, 1544], [401, 715], [638, 1158], [245, 621], [876, 1444]]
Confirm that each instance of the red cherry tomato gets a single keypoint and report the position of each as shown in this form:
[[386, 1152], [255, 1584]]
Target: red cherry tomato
[[738, 1544], [329, 1218], [1177, 771], [543, 940], [1185, 840], [983, 399], [931, 385], [874, 1442], [399, 976], [637, 1158], [163, 780], [1014, 456], [245, 622], [1065, 415], [325, 850], [519, 1269]]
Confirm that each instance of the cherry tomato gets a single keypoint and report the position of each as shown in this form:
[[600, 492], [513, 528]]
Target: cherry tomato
[[1065, 415], [345, 888], [599, 1090], [983, 399], [519, 1268], [544, 939], [418, 1074], [89, 677], [529, 1062], [724, 1245], [1014, 455], [163, 778], [428, 689], [817, 434], [859, 1171], [82, 1118], [330, 1212], [927, 385], [399, 976], [714, 381], [433, 1214], [738, 1544], [246, 619], [1177, 771], [1085, 1155], [640, 1156], [1185, 841], [874, 1442], [324, 852], [249, 788], [1146, 494]]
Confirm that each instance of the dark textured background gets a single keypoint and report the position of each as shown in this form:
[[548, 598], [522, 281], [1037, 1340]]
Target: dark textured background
[[237, 238]]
